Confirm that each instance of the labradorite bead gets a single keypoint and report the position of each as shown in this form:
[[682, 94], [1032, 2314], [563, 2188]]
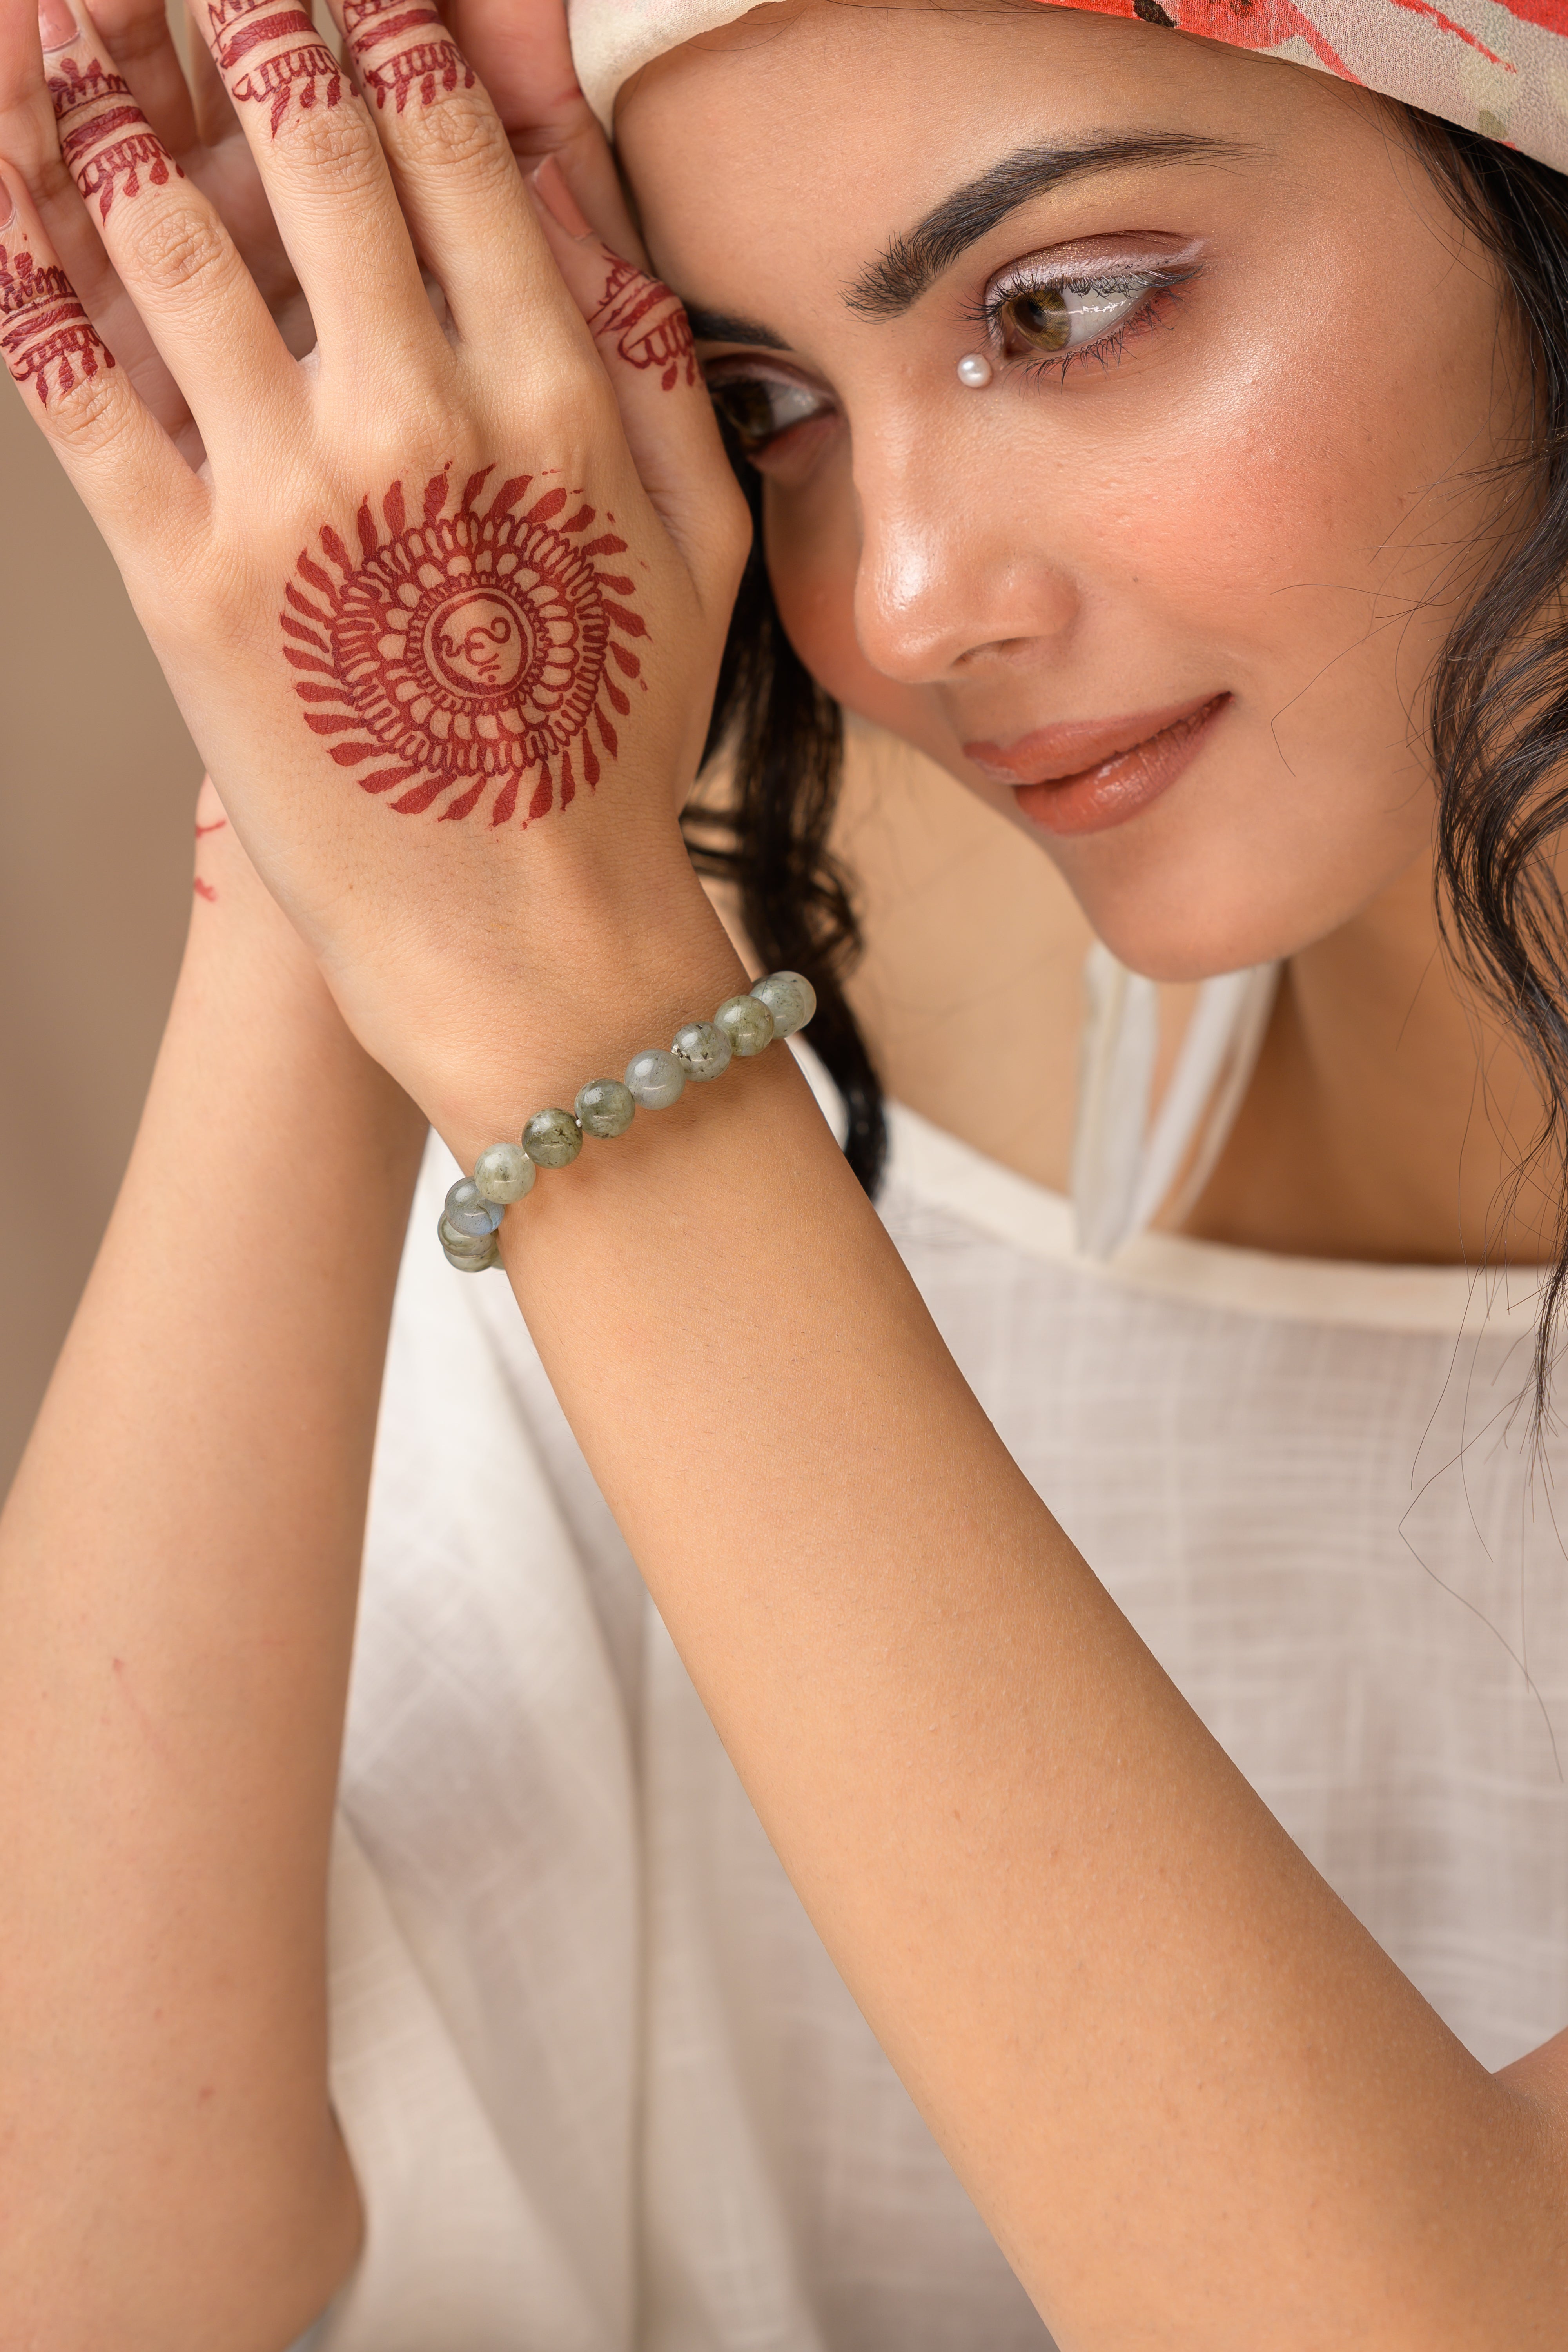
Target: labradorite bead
[[604, 1107], [468, 1212], [790, 998], [504, 1173], [747, 1024], [704, 1049], [553, 1138], [655, 1080], [461, 1244], [475, 1261]]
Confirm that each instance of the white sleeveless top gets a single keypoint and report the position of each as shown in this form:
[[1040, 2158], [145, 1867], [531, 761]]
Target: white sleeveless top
[[602, 2086]]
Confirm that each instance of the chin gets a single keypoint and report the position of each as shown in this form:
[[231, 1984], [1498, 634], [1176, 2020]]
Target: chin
[[1192, 916]]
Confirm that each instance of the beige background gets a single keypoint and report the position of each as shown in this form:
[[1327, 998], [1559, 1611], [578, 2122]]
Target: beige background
[[97, 778]]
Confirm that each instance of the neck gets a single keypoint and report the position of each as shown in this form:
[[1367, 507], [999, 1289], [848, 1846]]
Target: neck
[[1389, 1112]]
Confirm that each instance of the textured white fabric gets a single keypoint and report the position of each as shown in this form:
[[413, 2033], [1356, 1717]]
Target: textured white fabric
[[602, 2086]]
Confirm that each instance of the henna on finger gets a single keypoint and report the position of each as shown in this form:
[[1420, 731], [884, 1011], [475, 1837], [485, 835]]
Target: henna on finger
[[468, 652], [302, 75], [645, 321], [47, 338], [429, 65], [105, 143]]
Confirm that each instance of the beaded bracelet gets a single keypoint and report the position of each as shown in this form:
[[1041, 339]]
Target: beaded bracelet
[[742, 1026]]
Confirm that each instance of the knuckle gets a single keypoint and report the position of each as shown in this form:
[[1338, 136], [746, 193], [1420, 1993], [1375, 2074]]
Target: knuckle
[[461, 132], [334, 149], [177, 251], [89, 418]]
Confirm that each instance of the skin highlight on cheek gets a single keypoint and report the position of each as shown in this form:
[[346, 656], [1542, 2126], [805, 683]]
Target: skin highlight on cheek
[[303, 76], [429, 66], [105, 143], [47, 339], [469, 652]]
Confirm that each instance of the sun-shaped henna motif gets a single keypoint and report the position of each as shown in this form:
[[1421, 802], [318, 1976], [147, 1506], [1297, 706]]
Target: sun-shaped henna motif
[[469, 652]]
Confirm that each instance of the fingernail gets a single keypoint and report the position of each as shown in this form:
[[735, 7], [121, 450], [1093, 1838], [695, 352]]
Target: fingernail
[[549, 182], [57, 25]]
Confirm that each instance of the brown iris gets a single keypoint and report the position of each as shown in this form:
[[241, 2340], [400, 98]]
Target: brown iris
[[1038, 316]]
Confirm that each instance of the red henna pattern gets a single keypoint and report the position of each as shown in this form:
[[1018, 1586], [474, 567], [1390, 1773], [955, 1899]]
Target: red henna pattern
[[204, 890], [465, 652], [46, 335], [431, 64], [304, 77], [650, 328], [87, 109]]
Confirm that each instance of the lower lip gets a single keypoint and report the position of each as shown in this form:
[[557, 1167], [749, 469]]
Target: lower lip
[[1119, 789]]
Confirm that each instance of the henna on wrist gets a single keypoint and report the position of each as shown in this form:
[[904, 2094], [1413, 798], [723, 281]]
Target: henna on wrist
[[47, 337], [469, 652], [105, 143]]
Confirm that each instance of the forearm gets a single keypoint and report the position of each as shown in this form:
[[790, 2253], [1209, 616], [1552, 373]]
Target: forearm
[[1197, 2104], [177, 1577]]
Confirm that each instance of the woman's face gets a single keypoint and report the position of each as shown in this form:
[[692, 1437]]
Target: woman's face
[[1165, 590]]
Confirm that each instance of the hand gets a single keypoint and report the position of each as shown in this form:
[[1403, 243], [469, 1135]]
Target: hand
[[448, 661]]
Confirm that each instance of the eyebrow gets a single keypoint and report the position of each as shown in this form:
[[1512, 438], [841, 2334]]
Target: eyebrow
[[913, 261]]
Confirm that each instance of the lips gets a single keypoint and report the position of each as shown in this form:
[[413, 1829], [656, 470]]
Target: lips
[[1084, 774]]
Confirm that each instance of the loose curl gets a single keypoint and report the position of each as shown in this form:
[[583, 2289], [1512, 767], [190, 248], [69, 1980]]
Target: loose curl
[[1497, 722]]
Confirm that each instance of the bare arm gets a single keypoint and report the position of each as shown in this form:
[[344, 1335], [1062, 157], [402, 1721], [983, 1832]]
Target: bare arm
[[178, 1565]]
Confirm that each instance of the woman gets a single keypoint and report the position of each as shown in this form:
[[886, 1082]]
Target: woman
[[1136, 419]]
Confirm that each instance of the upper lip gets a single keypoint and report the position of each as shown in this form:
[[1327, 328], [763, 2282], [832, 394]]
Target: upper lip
[[1072, 745]]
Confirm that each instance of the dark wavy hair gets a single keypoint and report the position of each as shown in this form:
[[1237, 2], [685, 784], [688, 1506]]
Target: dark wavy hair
[[1498, 720]]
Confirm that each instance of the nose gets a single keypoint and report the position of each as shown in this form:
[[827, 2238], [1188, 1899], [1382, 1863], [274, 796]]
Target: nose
[[957, 571]]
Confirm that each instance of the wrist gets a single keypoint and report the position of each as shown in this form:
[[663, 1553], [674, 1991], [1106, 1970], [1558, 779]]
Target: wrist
[[592, 971]]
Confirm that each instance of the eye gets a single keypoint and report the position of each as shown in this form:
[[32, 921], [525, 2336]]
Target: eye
[[1067, 316], [759, 408]]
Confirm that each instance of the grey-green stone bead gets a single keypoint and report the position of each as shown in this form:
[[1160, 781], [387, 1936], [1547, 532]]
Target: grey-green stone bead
[[464, 1245], [504, 1173], [747, 1024], [790, 998], [475, 1261], [655, 1080], [704, 1049], [553, 1138], [468, 1212], [605, 1107]]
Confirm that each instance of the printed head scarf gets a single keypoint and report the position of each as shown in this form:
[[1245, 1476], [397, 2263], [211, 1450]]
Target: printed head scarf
[[1501, 70]]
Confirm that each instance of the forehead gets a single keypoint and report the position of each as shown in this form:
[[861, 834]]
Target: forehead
[[822, 104]]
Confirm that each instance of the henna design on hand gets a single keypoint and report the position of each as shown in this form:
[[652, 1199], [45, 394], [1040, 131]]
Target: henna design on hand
[[305, 77], [47, 337], [648, 321], [430, 64], [467, 650], [91, 103]]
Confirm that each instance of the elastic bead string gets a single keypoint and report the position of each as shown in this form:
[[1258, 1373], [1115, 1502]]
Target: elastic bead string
[[701, 1050]]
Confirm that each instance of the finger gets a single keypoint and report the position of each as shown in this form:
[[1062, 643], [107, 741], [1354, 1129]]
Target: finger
[[327, 182], [178, 263], [521, 54], [137, 41], [28, 141], [644, 343], [122, 463], [456, 177]]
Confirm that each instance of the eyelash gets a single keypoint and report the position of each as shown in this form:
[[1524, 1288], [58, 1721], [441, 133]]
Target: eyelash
[[1163, 291]]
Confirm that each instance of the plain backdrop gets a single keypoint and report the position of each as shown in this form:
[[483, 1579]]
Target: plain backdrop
[[98, 782]]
